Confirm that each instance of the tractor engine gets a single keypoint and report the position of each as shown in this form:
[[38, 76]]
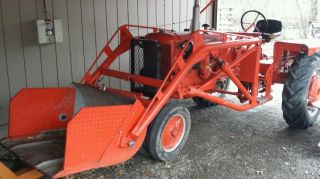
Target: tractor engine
[[153, 56]]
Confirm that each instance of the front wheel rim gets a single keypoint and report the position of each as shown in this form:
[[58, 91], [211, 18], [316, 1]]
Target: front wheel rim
[[173, 133]]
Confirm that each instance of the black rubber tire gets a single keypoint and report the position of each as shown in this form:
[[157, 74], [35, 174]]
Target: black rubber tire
[[294, 95], [205, 103], [153, 138]]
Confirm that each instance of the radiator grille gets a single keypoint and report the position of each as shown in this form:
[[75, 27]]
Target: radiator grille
[[137, 61], [145, 61]]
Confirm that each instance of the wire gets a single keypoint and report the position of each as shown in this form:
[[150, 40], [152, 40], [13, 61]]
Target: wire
[[46, 12]]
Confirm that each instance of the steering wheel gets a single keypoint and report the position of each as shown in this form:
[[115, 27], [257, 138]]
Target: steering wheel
[[249, 21]]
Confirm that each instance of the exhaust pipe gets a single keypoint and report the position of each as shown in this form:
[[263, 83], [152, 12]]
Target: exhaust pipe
[[195, 25]]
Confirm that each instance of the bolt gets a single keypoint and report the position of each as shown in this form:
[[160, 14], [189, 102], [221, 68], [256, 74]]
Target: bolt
[[131, 143]]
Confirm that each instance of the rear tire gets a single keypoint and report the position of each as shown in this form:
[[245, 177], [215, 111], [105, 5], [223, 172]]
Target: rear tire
[[296, 111], [168, 133]]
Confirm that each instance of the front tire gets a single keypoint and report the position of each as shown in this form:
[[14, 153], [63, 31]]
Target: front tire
[[168, 133], [297, 111]]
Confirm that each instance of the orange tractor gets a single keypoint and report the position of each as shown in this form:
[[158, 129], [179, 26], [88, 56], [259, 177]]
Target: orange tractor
[[61, 131]]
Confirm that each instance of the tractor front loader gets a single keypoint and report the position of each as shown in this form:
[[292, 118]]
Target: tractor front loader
[[61, 131]]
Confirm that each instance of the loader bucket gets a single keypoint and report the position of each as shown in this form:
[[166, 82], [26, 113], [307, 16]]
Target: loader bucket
[[61, 131]]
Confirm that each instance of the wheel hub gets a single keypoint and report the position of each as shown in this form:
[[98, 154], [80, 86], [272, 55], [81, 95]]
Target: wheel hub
[[173, 133]]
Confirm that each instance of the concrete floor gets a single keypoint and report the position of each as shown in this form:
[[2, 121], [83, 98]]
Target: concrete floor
[[229, 144]]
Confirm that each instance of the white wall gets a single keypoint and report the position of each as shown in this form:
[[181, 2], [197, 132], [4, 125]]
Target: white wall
[[87, 24]]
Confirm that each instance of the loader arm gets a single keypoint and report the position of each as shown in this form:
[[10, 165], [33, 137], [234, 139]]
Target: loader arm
[[178, 72]]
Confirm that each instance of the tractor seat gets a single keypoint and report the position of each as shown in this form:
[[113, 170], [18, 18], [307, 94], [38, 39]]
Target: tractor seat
[[269, 29]]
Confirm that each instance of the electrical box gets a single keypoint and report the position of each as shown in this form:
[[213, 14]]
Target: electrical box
[[49, 31]]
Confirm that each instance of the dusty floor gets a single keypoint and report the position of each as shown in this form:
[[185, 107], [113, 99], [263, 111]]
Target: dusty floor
[[229, 144]]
